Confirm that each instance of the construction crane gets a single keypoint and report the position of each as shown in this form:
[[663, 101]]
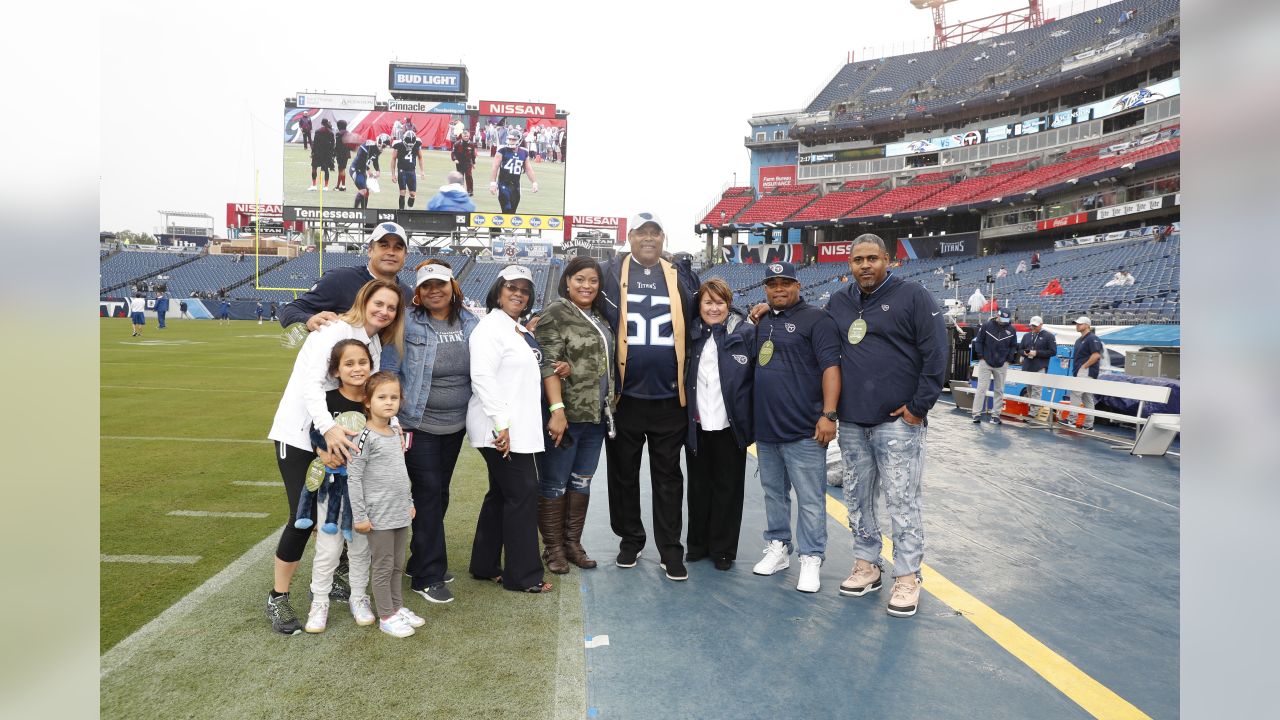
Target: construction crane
[[945, 35]]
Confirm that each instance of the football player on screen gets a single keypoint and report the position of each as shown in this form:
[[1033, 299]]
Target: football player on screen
[[367, 155], [509, 165], [408, 164]]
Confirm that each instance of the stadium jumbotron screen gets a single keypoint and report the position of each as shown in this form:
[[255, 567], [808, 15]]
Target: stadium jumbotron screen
[[517, 151]]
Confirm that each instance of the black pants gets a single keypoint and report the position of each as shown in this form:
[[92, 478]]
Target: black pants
[[717, 473], [663, 424], [430, 460], [508, 522], [293, 463]]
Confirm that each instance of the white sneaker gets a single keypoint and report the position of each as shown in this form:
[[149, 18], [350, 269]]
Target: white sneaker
[[396, 626], [362, 611], [809, 568], [318, 617], [311, 189], [411, 617], [775, 558]]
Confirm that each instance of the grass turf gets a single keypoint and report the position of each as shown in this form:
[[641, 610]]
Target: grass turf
[[490, 653], [549, 200]]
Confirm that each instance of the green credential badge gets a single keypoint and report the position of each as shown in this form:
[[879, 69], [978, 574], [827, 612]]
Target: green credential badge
[[766, 352], [857, 331]]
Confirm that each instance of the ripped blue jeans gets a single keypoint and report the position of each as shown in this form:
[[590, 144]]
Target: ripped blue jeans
[[570, 468], [888, 456]]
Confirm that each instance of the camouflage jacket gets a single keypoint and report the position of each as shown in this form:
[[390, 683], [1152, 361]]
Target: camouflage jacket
[[565, 334]]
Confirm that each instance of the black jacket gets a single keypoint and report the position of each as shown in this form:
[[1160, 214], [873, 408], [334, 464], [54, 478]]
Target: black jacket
[[1045, 345], [335, 292], [735, 346], [996, 342]]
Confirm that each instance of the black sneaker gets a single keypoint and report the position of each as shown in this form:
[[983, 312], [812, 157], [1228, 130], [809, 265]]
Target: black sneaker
[[341, 590], [996, 421], [448, 576], [723, 563], [977, 419], [627, 558], [436, 593], [675, 570], [283, 619]]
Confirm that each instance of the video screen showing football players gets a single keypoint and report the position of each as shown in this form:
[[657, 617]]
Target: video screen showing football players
[[398, 160]]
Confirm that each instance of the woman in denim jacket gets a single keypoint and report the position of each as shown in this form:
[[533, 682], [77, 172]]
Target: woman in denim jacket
[[435, 381], [578, 380]]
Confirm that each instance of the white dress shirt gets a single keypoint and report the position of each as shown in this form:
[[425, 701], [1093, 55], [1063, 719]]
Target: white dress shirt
[[711, 412]]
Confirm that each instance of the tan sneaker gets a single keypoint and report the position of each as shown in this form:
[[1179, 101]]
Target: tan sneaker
[[905, 598], [864, 578]]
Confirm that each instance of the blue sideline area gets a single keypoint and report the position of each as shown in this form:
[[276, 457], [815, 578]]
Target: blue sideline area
[[1075, 542]]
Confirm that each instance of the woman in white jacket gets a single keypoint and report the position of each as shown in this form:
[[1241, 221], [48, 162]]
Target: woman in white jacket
[[375, 318], [504, 420]]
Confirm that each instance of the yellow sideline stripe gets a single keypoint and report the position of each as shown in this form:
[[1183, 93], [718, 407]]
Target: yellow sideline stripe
[[1092, 696]]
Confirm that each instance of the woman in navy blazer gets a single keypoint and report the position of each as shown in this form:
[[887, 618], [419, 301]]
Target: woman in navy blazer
[[718, 386]]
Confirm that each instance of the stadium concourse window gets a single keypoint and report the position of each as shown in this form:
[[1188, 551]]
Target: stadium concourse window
[[926, 160], [1123, 121]]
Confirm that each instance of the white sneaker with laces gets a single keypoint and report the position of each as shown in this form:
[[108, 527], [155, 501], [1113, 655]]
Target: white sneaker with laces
[[362, 611], [411, 617], [810, 565], [396, 626], [317, 617], [775, 558]]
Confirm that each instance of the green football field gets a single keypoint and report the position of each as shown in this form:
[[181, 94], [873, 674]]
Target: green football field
[[549, 200], [185, 413]]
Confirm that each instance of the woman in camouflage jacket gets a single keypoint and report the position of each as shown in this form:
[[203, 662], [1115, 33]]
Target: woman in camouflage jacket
[[579, 383]]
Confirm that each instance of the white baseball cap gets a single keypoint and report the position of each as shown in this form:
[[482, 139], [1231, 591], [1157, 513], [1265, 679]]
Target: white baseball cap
[[389, 228], [1036, 320], [516, 272], [641, 218], [1084, 320], [432, 272]]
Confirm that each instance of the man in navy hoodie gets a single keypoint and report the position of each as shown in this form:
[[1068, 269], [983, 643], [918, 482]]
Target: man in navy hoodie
[[337, 288], [894, 354], [995, 344]]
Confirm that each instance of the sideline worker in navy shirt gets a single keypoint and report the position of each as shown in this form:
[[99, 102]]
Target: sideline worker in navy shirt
[[1037, 346], [1085, 363], [649, 303], [797, 387], [894, 356]]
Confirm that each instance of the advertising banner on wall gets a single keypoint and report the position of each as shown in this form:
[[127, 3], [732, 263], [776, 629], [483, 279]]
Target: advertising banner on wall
[[833, 252], [427, 81], [517, 222], [604, 231], [958, 245], [772, 177]]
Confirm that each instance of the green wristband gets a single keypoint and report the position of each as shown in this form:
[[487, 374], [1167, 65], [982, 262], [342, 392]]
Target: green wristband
[[556, 406]]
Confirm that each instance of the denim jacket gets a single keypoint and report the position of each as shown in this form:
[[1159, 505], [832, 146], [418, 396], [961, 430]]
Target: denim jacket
[[414, 370]]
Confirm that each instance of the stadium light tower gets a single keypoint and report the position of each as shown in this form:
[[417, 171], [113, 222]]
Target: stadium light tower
[[945, 35]]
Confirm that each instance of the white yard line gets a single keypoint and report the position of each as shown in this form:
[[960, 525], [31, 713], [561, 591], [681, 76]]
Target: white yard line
[[183, 439], [157, 559], [209, 513], [257, 483], [184, 389], [124, 651]]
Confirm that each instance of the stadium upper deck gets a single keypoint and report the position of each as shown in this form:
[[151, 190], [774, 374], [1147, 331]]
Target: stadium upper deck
[[969, 79]]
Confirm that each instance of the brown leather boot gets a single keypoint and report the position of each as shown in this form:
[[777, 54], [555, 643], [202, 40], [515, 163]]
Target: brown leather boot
[[574, 520], [551, 523]]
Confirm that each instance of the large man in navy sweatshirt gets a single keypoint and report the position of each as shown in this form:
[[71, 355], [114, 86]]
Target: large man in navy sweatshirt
[[894, 355], [337, 288]]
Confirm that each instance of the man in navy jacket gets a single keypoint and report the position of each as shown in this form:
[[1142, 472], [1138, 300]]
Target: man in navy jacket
[[1038, 346], [996, 345], [893, 343]]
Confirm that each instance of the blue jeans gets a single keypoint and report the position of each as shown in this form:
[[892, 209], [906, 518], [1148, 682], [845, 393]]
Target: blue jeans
[[889, 456], [570, 468], [800, 465]]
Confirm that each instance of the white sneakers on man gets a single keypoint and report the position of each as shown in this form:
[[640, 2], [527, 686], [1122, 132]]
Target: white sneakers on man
[[810, 565], [775, 558]]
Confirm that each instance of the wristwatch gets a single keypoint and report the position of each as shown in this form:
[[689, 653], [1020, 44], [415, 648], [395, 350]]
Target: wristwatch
[[832, 416]]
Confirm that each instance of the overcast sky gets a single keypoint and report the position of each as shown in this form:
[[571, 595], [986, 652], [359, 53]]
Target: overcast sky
[[658, 93]]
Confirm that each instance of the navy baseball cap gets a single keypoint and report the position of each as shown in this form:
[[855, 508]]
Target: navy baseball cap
[[780, 269], [1004, 316]]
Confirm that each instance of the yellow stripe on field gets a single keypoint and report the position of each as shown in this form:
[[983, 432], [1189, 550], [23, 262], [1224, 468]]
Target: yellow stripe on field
[[1092, 696]]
